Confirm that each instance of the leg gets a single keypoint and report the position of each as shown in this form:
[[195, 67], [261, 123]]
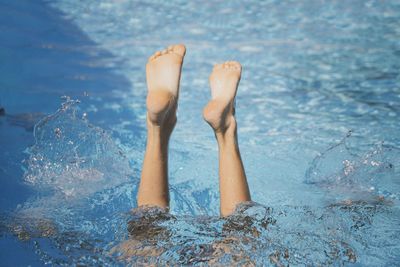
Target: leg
[[219, 113], [163, 72]]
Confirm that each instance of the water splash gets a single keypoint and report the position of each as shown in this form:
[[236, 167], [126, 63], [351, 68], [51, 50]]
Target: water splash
[[73, 158], [254, 235], [344, 171]]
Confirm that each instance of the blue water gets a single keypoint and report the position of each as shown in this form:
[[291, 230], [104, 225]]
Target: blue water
[[317, 111]]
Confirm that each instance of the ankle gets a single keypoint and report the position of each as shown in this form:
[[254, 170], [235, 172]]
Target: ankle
[[220, 116], [227, 134], [161, 106], [158, 134]]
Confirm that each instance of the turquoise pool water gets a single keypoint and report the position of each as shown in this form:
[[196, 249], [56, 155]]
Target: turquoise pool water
[[317, 110]]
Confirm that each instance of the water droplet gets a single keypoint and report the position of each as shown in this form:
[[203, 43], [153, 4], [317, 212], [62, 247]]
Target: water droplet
[[58, 132]]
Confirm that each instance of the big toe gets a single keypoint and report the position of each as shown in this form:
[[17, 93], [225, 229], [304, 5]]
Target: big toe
[[236, 65], [179, 49]]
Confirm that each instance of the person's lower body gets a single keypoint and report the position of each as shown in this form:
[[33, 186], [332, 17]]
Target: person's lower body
[[163, 72]]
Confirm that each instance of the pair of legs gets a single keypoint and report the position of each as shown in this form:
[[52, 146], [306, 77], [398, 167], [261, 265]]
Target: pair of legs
[[163, 72]]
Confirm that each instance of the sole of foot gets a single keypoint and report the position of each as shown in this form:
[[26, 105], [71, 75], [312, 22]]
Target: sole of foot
[[163, 72], [224, 80]]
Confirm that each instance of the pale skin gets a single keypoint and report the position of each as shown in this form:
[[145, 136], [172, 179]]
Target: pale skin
[[163, 72]]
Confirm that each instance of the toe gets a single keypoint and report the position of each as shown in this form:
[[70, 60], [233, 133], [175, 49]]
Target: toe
[[218, 66], [231, 64], [154, 56], [236, 65], [228, 65], [179, 49]]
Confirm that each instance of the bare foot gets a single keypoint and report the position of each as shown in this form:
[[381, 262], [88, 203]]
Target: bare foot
[[163, 71], [224, 80]]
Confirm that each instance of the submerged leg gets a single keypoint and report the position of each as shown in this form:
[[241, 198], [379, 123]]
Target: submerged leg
[[219, 113], [163, 72]]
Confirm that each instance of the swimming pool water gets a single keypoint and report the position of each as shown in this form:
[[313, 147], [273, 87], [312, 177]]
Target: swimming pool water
[[317, 111]]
